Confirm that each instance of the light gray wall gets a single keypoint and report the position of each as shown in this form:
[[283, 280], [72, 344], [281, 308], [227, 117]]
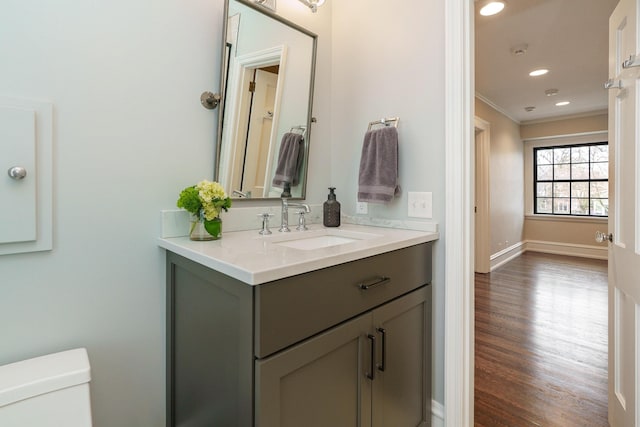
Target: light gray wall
[[388, 61], [129, 133]]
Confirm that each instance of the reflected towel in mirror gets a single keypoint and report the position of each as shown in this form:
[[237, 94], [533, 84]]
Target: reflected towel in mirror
[[378, 176], [290, 160]]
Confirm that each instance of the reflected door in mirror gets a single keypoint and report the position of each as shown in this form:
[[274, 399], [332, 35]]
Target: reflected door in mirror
[[279, 57]]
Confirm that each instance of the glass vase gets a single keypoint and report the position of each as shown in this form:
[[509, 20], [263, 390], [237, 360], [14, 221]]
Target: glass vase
[[214, 227], [203, 229]]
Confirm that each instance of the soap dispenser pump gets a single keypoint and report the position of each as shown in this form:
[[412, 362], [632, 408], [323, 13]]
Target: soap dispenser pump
[[331, 210]]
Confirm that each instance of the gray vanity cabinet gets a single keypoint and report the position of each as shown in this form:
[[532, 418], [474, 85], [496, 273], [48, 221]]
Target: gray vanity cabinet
[[317, 383], [402, 384], [299, 351], [370, 371]]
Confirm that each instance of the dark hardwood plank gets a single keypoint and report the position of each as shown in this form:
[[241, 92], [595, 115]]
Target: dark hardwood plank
[[541, 343]]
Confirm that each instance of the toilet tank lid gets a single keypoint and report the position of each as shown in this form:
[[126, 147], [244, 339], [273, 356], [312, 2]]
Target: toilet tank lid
[[44, 374]]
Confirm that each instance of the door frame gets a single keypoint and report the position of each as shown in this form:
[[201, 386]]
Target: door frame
[[459, 187], [482, 147], [241, 72]]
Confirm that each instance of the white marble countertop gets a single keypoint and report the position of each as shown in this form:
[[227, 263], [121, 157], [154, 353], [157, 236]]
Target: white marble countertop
[[256, 259]]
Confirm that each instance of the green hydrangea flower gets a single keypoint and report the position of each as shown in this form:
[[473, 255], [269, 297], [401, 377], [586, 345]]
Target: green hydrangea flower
[[207, 197]]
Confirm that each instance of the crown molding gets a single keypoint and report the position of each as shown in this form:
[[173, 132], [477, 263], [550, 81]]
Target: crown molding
[[496, 107]]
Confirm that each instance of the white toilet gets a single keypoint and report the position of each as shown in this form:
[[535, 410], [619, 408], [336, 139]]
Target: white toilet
[[51, 391]]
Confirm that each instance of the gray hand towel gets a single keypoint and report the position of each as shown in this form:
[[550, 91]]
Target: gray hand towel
[[378, 177], [290, 160]]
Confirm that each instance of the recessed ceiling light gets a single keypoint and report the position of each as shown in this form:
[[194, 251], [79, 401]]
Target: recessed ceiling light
[[492, 8], [551, 92], [540, 72], [562, 103], [529, 109]]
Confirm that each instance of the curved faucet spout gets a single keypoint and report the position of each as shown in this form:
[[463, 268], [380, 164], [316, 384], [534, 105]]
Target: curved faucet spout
[[284, 226]]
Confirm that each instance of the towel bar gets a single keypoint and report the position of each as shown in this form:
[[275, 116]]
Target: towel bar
[[301, 128], [385, 121]]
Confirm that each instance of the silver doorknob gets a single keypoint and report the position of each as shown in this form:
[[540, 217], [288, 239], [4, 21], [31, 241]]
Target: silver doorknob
[[613, 84], [601, 237], [17, 172]]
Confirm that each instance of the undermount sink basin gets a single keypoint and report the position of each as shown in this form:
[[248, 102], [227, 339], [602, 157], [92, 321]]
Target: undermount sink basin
[[310, 240]]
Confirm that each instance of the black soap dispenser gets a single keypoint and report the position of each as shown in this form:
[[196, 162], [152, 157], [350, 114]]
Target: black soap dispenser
[[286, 191], [331, 210]]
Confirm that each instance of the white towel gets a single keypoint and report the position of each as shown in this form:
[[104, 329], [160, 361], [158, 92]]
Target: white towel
[[378, 176]]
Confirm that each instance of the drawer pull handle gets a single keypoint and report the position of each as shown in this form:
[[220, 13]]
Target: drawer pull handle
[[383, 334], [377, 282], [372, 369]]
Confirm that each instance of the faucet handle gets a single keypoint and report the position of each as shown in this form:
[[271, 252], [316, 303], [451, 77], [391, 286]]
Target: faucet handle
[[302, 224], [265, 223]]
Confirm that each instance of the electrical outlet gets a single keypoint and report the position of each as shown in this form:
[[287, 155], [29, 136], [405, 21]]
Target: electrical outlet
[[362, 208], [420, 205]]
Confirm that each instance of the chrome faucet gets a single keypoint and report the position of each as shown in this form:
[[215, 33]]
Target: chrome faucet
[[284, 226]]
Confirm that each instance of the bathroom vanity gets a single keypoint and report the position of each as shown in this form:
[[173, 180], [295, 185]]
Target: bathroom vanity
[[315, 328]]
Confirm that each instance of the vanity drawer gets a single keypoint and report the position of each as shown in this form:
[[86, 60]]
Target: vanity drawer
[[292, 309]]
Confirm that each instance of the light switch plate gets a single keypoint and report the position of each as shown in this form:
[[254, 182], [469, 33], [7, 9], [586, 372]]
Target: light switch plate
[[420, 204], [362, 208]]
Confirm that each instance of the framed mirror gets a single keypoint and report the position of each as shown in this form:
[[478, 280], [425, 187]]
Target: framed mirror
[[264, 127]]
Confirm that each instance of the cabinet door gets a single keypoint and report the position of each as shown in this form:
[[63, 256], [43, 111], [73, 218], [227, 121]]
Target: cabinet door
[[319, 383], [402, 385], [209, 347]]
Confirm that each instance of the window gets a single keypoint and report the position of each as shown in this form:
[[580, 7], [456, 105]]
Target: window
[[572, 180]]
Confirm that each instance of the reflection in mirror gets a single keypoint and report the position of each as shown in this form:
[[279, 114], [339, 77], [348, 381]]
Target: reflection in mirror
[[265, 117]]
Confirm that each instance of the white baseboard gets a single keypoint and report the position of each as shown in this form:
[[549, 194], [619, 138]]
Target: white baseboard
[[506, 255], [557, 248], [437, 414], [584, 251]]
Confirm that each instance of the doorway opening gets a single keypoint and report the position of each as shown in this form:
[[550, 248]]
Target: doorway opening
[[478, 247]]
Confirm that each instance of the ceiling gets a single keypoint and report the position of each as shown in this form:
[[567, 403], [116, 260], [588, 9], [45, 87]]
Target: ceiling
[[567, 37]]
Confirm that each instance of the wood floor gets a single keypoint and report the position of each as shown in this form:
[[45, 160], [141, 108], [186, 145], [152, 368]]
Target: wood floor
[[541, 343]]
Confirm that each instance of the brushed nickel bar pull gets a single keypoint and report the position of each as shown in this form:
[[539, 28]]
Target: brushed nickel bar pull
[[380, 281], [372, 373], [382, 332]]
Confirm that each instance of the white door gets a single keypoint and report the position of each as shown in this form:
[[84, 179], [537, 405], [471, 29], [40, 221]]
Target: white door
[[259, 138], [624, 220]]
